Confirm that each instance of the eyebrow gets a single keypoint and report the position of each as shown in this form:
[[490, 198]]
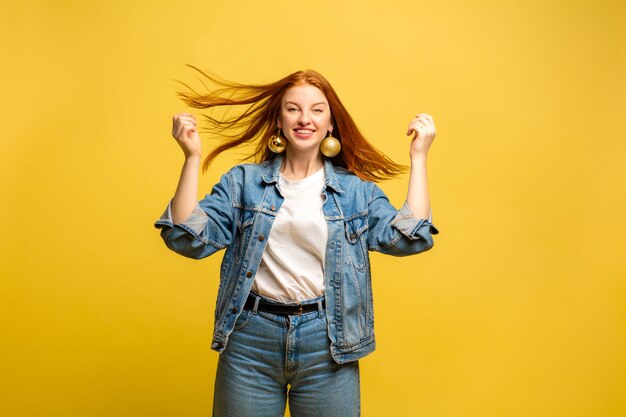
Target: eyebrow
[[315, 104]]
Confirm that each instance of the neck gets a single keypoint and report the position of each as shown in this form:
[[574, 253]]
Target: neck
[[297, 168]]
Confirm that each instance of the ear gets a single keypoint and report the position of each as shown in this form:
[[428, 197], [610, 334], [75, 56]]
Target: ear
[[278, 123]]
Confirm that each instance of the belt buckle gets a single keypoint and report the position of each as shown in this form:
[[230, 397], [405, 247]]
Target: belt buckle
[[299, 309]]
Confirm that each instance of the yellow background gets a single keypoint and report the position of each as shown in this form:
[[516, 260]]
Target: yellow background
[[518, 311]]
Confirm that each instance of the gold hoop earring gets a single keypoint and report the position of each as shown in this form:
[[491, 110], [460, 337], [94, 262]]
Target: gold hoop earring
[[330, 146], [276, 142]]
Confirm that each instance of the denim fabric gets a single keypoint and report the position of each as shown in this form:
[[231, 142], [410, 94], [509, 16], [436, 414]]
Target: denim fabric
[[238, 216], [271, 358]]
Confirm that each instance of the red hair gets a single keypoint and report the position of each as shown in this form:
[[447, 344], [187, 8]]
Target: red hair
[[258, 121]]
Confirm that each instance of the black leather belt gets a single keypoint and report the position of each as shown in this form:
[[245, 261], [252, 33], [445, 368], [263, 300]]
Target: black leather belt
[[282, 309]]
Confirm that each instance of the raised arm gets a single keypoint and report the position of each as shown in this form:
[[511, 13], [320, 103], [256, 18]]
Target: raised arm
[[186, 196], [417, 198]]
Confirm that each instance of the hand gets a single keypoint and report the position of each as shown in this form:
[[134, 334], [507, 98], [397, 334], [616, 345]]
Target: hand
[[424, 131], [186, 135]]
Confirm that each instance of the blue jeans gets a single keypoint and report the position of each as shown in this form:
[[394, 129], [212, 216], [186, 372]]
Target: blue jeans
[[270, 358]]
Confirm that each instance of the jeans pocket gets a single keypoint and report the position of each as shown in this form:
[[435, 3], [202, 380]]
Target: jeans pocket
[[243, 319]]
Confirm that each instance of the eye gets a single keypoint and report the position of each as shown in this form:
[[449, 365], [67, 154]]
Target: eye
[[291, 109], [318, 110]]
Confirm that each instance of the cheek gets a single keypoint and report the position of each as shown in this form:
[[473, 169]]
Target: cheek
[[286, 117], [282, 120]]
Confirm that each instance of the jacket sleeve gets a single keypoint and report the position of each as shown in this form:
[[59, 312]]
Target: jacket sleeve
[[208, 229], [396, 232]]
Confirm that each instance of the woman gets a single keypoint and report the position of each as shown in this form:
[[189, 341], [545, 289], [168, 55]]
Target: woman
[[294, 308]]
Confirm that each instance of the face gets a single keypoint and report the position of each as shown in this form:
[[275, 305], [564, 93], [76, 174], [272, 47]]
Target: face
[[305, 118]]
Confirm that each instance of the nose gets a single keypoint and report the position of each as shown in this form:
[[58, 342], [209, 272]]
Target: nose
[[304, 118]]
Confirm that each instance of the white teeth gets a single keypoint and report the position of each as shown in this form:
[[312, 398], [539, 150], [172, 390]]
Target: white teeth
[[304, 131]]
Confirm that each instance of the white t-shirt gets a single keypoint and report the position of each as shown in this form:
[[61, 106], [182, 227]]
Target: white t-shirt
[[292, 266]]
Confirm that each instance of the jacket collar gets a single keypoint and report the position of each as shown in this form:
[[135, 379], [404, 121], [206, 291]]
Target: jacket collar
[[271, 172]]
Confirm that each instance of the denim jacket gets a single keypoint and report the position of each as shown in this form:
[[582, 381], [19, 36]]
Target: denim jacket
[[238, 216]]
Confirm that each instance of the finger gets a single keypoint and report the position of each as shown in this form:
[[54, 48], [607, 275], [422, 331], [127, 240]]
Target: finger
[[422, 120], [419, 125], [177, 131], [425, 119], [189, 116], [415, 131], [178, 122], [184, 117], [188, 130], [419, 118], [412, 128], [187, 119], [415, 126], [181, 130], [426, 115]]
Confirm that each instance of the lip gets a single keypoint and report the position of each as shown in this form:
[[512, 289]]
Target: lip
[[303, 135]]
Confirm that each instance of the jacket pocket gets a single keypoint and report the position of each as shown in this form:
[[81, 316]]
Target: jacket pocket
[[356, 236], [245, 220]]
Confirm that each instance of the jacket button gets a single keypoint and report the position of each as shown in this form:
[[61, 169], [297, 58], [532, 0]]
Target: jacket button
[[248, 274], [273, 207], [352, 236], [261, 238], [234, 310]]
